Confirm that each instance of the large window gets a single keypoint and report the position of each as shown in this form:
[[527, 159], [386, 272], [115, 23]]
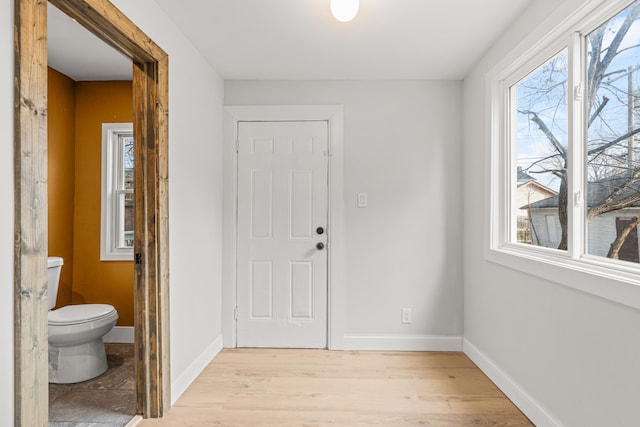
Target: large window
[[565, 150], [117, 192]]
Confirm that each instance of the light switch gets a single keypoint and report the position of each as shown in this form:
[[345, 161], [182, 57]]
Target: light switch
[[363, 201]]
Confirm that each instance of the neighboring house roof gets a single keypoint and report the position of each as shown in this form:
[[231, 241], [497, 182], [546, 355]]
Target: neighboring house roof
[[538, 186], [523, 177], [530, 190], [549, 202], [597, 192]]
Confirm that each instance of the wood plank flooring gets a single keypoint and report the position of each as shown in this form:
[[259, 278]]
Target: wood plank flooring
[[276, 387]]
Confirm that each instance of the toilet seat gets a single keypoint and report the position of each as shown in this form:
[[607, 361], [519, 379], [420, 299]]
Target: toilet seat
[[80, 313]]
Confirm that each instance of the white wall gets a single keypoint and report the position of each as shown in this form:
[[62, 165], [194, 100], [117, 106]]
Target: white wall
[[574, 356], [195, 194], [6, 217], [402, 146], [195, 199]]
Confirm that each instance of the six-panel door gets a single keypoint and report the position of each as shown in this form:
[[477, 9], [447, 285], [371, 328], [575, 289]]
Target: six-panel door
[[282, 200]]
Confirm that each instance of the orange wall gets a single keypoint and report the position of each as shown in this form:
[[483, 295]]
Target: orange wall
[[109, 282], [75, 116], [61, 164]]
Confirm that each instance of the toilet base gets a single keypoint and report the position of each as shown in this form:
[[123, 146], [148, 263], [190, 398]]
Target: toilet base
[[77, 363]]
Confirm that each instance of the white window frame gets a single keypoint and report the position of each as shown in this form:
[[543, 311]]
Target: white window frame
[[112, 212], [610, 279]]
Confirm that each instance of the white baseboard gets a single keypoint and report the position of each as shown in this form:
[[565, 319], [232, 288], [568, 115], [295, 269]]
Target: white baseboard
[[120, 334], [134, 421], [402, 342], [180, 384], [527, 404]]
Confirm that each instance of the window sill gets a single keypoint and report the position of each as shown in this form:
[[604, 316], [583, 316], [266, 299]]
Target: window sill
[[621, 285], [116, 256]]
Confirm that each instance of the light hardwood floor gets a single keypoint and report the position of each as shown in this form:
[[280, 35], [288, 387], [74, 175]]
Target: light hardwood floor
[[269, 387]]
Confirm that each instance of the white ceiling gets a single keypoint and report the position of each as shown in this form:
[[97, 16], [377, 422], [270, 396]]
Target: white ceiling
[[76, 53], [300, 40]]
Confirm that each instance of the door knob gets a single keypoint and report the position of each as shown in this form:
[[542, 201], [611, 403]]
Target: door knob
[[319, 246]]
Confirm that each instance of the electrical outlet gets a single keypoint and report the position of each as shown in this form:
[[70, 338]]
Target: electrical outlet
[[406, 315]]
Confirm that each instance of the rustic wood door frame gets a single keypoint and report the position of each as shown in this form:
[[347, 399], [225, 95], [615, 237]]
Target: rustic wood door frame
[[150, 102]]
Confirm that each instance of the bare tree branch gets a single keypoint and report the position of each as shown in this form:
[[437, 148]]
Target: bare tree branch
[[547, 132], [540, 161], [610, 204], [613, 142], [597, 67], [596, 113]]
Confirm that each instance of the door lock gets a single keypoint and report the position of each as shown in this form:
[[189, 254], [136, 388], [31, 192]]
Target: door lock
[[320, 230]]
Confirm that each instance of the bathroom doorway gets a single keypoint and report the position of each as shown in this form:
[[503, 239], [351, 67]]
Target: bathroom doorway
[[90, 97], [150, 99]]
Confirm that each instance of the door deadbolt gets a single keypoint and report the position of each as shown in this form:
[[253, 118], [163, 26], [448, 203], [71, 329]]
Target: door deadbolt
[[320, 230]]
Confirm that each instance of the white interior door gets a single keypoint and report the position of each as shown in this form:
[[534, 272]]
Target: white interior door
[[282, 234]]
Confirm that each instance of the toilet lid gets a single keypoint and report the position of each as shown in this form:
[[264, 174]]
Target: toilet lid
[[81, 313]]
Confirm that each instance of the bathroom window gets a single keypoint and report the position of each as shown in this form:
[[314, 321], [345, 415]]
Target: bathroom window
[[117, 218]]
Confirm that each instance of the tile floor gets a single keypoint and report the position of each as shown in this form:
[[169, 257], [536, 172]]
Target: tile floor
[[105, 401]]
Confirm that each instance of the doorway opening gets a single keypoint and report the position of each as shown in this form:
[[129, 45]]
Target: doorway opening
[[150, 110]]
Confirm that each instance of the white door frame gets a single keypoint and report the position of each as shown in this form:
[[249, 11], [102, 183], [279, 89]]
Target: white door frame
[[336, 291]]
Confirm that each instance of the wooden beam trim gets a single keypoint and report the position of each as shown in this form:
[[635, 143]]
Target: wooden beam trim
[[153, 376], [140, 236], [96, 15], [30, 246], [151, 259], [162, 114]]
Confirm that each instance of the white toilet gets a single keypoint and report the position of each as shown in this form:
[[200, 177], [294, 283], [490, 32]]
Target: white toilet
[[76, 350]]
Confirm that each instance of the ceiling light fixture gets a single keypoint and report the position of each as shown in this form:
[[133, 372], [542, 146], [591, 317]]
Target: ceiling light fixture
[[344, 10]]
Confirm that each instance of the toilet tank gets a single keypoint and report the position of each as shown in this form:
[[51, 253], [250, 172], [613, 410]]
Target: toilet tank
[[54, 266]]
